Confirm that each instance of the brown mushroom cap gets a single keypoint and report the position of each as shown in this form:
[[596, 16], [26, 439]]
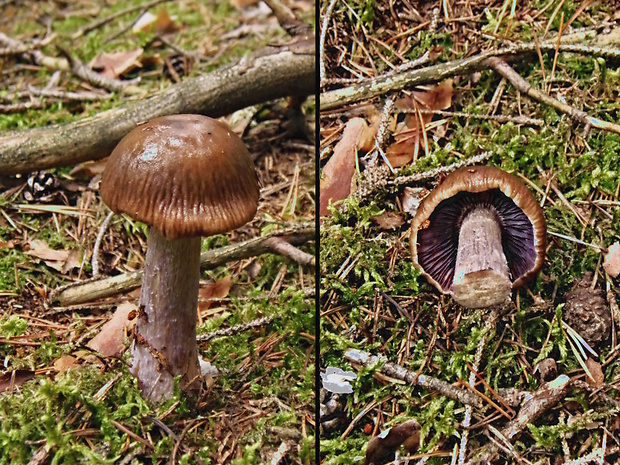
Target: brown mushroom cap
[[186, 175], [435, 227]]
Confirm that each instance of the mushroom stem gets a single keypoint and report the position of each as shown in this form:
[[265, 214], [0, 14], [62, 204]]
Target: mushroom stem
[[481, 276], [165, 335]]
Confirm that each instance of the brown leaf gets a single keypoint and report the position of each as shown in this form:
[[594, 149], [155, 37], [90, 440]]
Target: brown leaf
[[217, 290], [55, 259], [109, 342], [64, 363], [160, 24], [597, 373], [14, 378], [611, 261], [7, 244], [389, 220], [164, 23], [387, 443], [115, 64], [339, 170], [74, 260], [89, 168], [408, 137]]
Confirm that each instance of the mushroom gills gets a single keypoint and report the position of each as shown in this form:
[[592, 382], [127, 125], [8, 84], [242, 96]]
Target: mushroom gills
[[481, 275]]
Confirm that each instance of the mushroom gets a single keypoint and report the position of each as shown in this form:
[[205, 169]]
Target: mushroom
[[186, 176], [477, 235]]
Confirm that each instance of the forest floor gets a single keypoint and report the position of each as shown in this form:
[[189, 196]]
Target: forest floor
[[60, 400], [533, 400]]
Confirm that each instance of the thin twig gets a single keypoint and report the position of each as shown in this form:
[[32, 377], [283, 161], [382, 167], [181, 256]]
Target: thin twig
[[234, 329], [84, 72], [540, 402], [326, 19], [279, 245], [288, 20], [504, 69], [102, 229], [396, 371]]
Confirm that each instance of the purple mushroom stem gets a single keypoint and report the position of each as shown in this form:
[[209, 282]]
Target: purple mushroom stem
[[165, 334], [481, 274]]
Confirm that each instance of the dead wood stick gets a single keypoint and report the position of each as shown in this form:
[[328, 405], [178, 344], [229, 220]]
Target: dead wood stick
[[283, 247], [254, 79], [505, 70], [84, 72], [540, 402], [288, 20], [85, 291], [396, 371], [369, 88]]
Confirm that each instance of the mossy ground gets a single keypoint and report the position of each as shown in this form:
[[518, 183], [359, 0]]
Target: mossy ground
[[94, 412], [585, 168]]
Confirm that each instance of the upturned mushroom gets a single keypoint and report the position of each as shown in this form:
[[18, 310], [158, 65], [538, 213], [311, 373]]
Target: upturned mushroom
[[477, 235], [186, 176]]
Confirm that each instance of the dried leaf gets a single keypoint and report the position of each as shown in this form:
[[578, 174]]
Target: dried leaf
[[163, 23], [217, 290], [7, 244], [89, 168], [55, 259], [408, 134], [109, 342], [14, 378], [115, 64], [64, 363], [339, 170], [387, 443], [389, 220], [611, 261], [74, 260]]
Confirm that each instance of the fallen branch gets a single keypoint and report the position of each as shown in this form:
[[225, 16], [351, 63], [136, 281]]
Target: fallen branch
[[254, 79], [539, 403], [396, 371], [281, 246], [85, 291], [69, 63], [369, 88], [504, 69], [288, 20]]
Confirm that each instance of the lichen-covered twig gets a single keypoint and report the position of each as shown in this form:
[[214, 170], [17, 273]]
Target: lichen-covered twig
[[388, 83], [380, 177], [540, 402], [396, 371], [234, 329]]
